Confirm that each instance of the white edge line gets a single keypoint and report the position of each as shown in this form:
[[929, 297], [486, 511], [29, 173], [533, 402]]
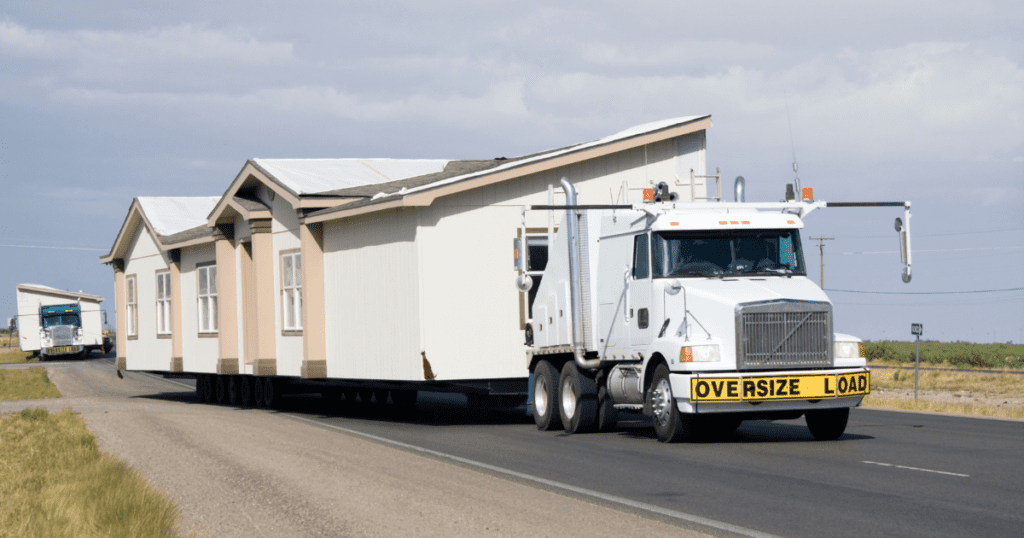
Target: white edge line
[[916, 469], [530, 478]]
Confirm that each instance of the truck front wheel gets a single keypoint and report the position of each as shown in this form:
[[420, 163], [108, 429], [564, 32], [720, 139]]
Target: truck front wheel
[[670, 425], [545, 397], [827, 424]]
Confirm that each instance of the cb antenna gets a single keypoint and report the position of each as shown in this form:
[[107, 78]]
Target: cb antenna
[[796, 178]]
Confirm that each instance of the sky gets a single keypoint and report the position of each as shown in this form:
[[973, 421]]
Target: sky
[[103, 101]]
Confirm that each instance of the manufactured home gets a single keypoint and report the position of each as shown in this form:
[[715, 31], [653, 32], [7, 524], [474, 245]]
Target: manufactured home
[[367, 274]]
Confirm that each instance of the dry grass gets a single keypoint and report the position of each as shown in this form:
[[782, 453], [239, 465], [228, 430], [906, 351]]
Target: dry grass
[[16, 356], [55, 483], [961, 392], [29, 384]]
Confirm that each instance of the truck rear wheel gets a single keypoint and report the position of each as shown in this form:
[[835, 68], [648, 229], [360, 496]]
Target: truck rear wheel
[[607, 415], [545, 397], [670, 425], [577, 399], [827, 424]]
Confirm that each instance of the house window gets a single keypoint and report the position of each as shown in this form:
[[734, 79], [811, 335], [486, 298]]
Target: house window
[[132, 314], [291, 290], [163, 303], [207, 276]]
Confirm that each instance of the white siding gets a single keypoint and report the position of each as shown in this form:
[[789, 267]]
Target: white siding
[[371, 298], [198, 354], [440, 280], [285, 227], [144, 259]]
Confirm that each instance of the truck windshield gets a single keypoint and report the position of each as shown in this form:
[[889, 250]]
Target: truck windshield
[[60, 319], [727, 252]]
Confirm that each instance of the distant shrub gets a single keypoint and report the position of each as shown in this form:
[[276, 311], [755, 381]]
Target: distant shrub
[[958, 354]]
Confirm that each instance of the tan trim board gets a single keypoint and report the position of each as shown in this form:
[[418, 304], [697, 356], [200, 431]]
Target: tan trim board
[[227, 366], [314, 369]]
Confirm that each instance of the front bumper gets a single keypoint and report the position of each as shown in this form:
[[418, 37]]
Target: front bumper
[[753, 392], [62, 350]]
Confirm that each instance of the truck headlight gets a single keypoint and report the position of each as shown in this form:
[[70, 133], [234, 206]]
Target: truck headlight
[[706, 353], [848, 350]]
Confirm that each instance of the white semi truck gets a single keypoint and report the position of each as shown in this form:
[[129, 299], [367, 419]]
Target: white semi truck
[[699, 315], [55, 323]]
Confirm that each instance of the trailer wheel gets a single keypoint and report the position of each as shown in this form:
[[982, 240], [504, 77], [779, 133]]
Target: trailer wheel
[[257, 391], [607, 415], [232, 388], [545, 397], [220, 389], [207, 388], [670, 425], [199, 386], [364, 396], [577, 399], [380, 396], [244, 390], [827, 424], [271, 393]]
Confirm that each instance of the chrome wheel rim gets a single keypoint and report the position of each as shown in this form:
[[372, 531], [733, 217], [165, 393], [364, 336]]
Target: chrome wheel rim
[[568, 399], [540, 396], [661, 404]]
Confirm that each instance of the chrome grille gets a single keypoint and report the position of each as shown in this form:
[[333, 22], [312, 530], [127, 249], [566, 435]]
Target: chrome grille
[[784, 334], [62, 335]]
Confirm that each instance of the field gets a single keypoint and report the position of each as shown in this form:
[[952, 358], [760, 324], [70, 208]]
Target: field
[[950, 380], [57, 483], [949, 354], [15, 356]]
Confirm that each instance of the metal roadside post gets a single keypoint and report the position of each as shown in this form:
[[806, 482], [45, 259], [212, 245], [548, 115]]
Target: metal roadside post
[[917, 330]]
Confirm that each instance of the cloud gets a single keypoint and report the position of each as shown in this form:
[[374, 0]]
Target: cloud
[[186, 43]]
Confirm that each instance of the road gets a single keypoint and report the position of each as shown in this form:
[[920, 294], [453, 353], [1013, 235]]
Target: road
[[892, 474]]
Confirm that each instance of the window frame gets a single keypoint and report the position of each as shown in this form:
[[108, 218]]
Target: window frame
[[210, 299], [131, 306], [291, 294], [163, 304]]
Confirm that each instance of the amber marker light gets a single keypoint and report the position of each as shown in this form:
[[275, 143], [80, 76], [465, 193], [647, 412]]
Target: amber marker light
[[686, 354]]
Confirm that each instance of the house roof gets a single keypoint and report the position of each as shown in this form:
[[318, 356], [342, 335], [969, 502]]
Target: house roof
[[62, 293], [312, 176], [328, 189], [172, 214]]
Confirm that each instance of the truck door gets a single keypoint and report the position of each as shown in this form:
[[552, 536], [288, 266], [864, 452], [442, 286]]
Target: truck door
[[638, 292]]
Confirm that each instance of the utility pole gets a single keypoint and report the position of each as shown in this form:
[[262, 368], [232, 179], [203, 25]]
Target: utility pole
[[821, 247]]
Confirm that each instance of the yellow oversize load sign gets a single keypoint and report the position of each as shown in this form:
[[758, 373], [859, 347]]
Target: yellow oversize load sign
[[780, 387]]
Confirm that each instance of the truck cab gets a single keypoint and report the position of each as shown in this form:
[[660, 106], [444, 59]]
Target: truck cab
[[699, 315], [60, 331]]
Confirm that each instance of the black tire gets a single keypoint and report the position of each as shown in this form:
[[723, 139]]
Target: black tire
[[670, 425], [545, 397], [208, 388], [245, 391], [220, 389], [577, 400], [257, 392], [271, 393], [380, 396], [199, 386], [827, 424], [233, 389], [607, 415]]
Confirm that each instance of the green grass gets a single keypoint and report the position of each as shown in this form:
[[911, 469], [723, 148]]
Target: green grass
[[949, 354], [27, 384], [16, 357], [55, 483]]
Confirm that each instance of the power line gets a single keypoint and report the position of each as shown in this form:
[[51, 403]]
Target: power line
[[821, 246], [940, 234], [56, 248], [927, 292]]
